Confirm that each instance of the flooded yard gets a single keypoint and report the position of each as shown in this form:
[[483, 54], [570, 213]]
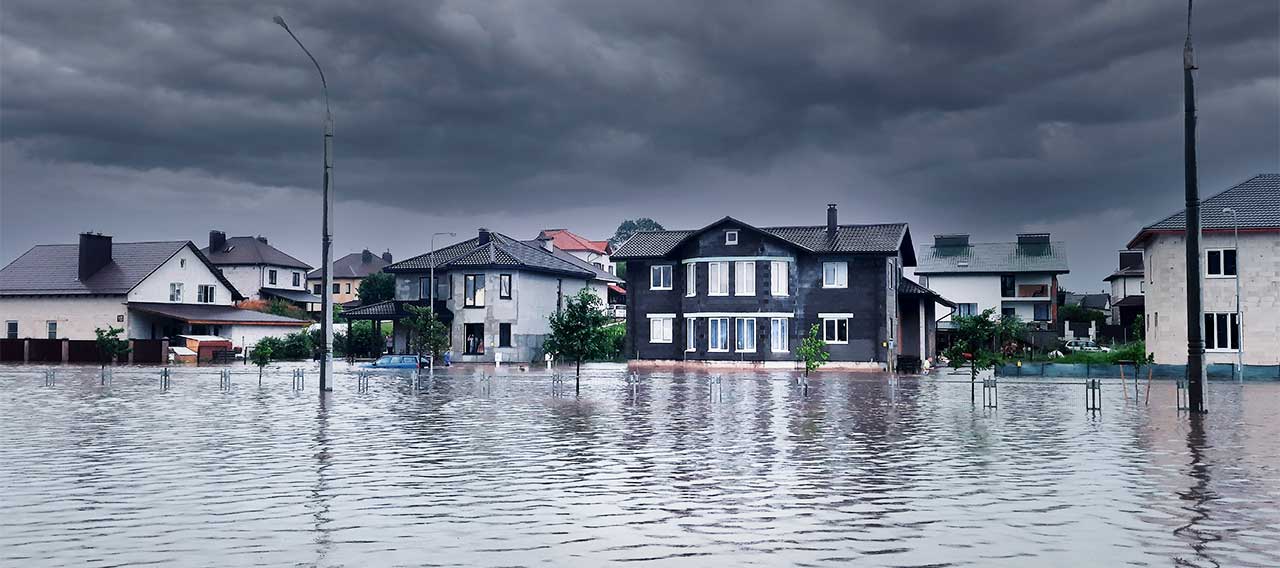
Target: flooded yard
[[682, 471]]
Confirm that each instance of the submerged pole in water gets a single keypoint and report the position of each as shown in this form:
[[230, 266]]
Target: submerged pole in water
[[1195, 308]]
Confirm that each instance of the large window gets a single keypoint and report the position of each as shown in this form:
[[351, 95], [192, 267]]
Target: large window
[[1008, 287], [424, 293], [835, 330], [660, 277], [745, 335], [778, 337], [690, 334], [966, 309], [691, 279], [297, 279], [504, 286], [835, 275], [175, 291], [745, 278], [504, 335], [778, 278], [1041, 311], [1221, 331], [11, 329], [1220, 263], [474, 290], [717, 279], [718, 334], [52, 328], [271, 277], [204, 294], [660, 329]]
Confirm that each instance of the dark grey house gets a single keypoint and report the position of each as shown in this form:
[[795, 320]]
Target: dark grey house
[[732, 292]]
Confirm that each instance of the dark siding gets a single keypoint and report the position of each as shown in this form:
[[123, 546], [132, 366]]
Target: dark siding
[[642, 301]]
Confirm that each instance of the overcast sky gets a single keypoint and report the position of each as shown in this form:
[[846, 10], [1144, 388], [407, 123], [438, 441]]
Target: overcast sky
[[163, 120]]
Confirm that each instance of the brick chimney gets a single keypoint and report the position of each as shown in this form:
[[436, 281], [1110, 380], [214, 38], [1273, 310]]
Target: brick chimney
[[95, 253], [546, 242], [832, 224], [217, 241], [386, 256], [483, 238], [366, 256]]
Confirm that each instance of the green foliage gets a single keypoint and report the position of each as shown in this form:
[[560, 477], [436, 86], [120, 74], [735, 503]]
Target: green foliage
[[110, 346], [361, 340], [275, 306], [260, 356], [982, 339], [427, 334], [617, 336], [1081, 314], [813, 350], [630, 227], [1139, 328], [295, 346], [377, 287], [578, 331]]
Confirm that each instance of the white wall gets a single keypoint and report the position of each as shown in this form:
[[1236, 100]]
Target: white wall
[[248, 335], [186, 268], [1126, 286], [249, 279], [77, 316], [983, 290]]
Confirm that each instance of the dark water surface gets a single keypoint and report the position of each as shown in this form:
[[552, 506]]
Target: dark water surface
[[858, 472]]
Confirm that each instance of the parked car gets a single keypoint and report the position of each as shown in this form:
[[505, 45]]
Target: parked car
[[399, 362], [1087, 345]]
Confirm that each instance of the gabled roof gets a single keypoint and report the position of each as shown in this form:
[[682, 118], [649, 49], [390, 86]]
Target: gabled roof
[[983, 258], [886, 238], [1255, 200], [251, 251], [500, 252], [602, 275], [566, 240], [353, 266], [55, 269]]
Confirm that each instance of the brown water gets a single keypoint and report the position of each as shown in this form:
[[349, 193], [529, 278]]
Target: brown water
[[760, 473]]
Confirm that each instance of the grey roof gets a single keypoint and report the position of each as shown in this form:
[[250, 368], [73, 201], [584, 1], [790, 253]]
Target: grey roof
[[392, 310], [1256, 201], [1126, 272], [907, 287], [210, 313], [251, 251], [54, 269], [885, 238], [353, 266], [980, 258], [299, 296], [500, 252]]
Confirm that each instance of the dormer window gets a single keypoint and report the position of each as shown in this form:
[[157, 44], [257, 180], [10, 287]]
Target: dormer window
[[731, 237]]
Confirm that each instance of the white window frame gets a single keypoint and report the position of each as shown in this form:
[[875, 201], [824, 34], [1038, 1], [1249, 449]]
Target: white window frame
[[477, 297], [840, 274], [659, 270], [779, 278], [740, 268], [11, 334], [741, 335], [205, 293], [691, 279], [297, 279], [835, 329], [779, 335], [272, 277], [690, 335], [660, 328], [1222, 263], [731, 237], [175, 292], [1211, 337], [712, 336], [718, 278], [51, 329]]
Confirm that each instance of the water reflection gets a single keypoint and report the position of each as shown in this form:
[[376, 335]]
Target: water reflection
[[757, 472]]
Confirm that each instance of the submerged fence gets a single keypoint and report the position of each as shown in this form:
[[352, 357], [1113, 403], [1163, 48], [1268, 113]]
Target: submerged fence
[[1216, 371]]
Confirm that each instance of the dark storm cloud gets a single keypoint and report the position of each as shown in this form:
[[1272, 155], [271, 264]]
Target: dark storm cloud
[[1016, 113]]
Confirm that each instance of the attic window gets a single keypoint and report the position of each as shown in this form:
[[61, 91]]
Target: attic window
[[731, 237]]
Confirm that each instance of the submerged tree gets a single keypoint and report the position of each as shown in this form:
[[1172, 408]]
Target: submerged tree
[[427, 334], [578, 332], [261, 356], [979, 339], [813, 350], [110, 346]]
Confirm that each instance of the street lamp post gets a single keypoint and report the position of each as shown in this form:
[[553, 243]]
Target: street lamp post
[[431, 294], [326, 241], [1235, 223]]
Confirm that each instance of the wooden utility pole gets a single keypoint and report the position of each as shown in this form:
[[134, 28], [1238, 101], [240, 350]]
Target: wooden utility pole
[[1195, 309]]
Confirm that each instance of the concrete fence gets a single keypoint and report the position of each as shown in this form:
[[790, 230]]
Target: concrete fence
[[1216, 371], [142, 351]]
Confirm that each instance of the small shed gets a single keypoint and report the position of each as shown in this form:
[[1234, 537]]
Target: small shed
[[206, 347]]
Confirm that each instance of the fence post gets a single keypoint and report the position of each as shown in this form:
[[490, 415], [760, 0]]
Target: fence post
[[26, 350], [66, 350], [130, 351]]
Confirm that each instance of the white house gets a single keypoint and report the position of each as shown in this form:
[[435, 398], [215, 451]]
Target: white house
[[1127, 289], [1251, 262], [259, 270], [153, 290], [594, 252], [496, 294], [1017, 278]]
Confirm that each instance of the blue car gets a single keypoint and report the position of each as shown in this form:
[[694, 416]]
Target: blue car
[[399, 362]]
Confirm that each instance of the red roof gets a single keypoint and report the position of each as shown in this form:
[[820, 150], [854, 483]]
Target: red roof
[[618, 289], [565, 240]]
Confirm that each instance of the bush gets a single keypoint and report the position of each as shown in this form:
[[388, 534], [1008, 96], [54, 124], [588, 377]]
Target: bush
[[276, 307], [1081, 314], [294, 346], [617, 335]]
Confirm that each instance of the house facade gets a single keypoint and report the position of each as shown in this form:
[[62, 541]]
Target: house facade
[[594, 252], [348, 272], [153, 290], [1128, 289], [732, 293], [495, 293], [1017, 278], [1252, 263], [259, 270]]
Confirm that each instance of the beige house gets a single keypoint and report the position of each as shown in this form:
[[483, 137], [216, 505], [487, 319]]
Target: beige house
[[348, 272]]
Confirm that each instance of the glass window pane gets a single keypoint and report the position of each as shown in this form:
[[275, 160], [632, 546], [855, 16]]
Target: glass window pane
[[1229, 262], [1223, 330], [1214, 260]]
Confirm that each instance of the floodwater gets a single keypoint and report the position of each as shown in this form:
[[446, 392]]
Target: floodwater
[[754, 472]]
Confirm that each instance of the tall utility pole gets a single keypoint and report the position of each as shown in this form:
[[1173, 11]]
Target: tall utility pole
[[326, 230], [1195, 309]]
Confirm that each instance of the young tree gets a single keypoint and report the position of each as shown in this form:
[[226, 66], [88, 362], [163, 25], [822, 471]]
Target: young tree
[[110, 346], [427, 333], [578, 332], [979, 339], [377, 287], [261, 356], [630, 227], [813, 350]]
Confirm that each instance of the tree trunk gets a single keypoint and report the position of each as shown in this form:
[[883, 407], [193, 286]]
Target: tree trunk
[[577, 378], [973, 379]]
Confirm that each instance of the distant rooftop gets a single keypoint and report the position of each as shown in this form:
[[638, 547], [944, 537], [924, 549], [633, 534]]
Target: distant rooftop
[[564, 239], [980, 258], [252, 251]]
